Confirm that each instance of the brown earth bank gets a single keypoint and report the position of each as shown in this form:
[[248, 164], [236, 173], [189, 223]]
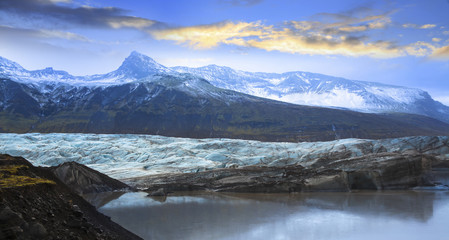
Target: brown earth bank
[[381, 171], [35, 204]]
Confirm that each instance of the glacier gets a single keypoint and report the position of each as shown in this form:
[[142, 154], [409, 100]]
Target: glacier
[[126, 156]]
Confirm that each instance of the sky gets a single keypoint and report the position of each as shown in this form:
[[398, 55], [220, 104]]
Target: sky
[[402, 43]]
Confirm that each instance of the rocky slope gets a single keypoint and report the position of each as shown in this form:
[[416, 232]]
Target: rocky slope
[[145, 97], [36, 205], [83, 180]]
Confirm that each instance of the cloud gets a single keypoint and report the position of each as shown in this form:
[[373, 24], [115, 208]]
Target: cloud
[[13, 32], [240, 3], [338, 24], [436, 39], [441, 53], [317, 46], [416, 26], [338, 35], [49, 10], [420, 49], [427, 26], [208, 36]]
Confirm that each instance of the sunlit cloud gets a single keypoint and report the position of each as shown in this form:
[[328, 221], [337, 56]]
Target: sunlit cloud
[[441, 53], [208, 36], [348, 34], [425, 26], [300, 37], [420, 49]]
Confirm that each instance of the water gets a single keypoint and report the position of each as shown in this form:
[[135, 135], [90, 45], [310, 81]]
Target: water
[[358, 215]]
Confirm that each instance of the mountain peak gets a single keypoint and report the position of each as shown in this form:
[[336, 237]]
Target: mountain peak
[[139, 59], [138, 65], [138, 54], [8, 65]]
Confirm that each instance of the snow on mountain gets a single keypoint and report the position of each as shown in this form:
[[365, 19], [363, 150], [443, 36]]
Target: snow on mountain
[[14, 71], [293, 87], [135, 67], [123, 156], [320, 90]]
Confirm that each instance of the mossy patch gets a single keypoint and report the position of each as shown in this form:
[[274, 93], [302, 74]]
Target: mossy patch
[[10, 179]]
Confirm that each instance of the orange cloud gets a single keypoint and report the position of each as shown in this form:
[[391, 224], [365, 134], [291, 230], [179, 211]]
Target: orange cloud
[[208, 36], [441, 53], [299, 37]]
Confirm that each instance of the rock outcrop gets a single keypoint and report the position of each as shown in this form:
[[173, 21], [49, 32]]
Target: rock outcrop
[[82, 179], [374, 172]]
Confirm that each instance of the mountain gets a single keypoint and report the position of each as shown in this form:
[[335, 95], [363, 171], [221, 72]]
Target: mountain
[[169, 103], [326, 91], [135, 67]]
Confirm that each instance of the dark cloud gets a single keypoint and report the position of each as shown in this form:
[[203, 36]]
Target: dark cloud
[[354, 40], [108, 17], [16, 33], [244, 3], [389, 44]]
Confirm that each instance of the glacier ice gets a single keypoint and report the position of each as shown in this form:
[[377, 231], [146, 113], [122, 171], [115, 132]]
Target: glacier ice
[[128, 155]]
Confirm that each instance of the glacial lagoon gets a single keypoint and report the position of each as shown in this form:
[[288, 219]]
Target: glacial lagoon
[[320, 215]]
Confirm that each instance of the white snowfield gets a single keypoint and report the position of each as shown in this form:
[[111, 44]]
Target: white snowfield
[[125, 156]]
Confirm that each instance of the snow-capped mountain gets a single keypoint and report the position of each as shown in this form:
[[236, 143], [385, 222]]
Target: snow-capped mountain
[[135, 67], [293, 87], [321, 90], [142, 96]]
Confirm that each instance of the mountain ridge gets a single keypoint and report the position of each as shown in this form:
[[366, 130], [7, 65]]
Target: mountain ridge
[[314, 89], [296, 87], [187, 106]]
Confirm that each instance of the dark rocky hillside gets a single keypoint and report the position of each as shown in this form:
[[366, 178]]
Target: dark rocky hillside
[[186, 106], [37, 205]]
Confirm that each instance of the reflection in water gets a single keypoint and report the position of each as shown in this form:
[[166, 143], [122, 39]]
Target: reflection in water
[[100, 199], [441, 176], [360, 215]]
